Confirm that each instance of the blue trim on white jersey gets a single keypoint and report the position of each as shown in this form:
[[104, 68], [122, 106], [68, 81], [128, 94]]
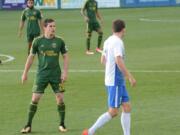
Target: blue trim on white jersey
[[119, 77]]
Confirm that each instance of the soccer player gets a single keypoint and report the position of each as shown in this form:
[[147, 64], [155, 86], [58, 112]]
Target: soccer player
[[115, 74], [34, 22], [47, 47], [91, 15]]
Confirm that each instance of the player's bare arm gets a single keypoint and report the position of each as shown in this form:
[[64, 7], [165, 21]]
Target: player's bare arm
[[41, 26], [83, 10], [127, 74], [103, 59], [21, 26], [99, 16], [65, 67], [28, 64]]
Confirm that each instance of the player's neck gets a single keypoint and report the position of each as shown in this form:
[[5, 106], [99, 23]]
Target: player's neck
[[118, 34], [49, 36]]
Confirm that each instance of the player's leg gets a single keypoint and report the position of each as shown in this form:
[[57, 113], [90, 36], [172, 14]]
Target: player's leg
[[114, 104], [32, 110], [126, 113], [36, 96], [88, 39], [59, 93], [100, 36], [61, 110]]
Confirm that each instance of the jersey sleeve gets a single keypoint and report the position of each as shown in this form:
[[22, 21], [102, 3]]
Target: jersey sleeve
[[118, 51], [23, 16], [84, 5], [34, 48], [63, 48]]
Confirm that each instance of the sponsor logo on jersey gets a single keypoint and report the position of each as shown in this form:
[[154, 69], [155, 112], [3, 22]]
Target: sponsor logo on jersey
[[54, 45]]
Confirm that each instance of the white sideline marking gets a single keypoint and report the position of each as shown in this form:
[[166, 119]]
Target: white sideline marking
[[9, 58], [159, 20], [95, 71]]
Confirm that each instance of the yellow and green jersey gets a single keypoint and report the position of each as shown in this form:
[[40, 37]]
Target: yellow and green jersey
[[32, 16], [48, 51], [91, 7]]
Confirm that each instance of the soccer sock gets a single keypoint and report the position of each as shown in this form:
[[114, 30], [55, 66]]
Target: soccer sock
[[88, 43], [99, 40], [32, 111], [103, 119], [61, 111], [126, 122]]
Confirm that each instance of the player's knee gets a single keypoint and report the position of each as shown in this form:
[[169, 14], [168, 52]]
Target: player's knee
[[126, 107], [113, 112], [59, 98]]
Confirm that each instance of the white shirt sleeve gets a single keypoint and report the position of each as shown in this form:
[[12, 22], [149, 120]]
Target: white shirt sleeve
[[118, 51]]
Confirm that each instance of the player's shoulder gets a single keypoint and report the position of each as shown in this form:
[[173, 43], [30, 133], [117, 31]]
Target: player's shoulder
[[59, 38], [25, 10], [39, 38]]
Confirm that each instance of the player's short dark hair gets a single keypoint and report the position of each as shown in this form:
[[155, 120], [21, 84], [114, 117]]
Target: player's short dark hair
[[29, 0], [118, 25], [48, 20]]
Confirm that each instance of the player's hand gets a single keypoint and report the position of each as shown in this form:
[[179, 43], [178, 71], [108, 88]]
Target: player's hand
[[86, 19], [24, 78], [64, 77], [132, 81]]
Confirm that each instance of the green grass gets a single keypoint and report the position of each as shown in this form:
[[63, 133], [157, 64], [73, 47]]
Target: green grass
[[150, 46]]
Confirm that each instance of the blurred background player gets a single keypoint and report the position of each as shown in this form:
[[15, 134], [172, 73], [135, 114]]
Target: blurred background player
[[47, 47], [91, 14], [115, 74], [34, 22]]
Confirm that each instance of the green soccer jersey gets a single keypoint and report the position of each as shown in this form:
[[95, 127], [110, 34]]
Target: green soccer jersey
[[32, 16], [48, 51], [91, 8]]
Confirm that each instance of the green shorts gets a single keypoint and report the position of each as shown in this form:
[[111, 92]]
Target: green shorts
[[31, 37], [41, 84], [93, 26]]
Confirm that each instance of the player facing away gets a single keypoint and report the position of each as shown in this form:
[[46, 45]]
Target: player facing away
[[115, 74], [48, 48], [34, 22], [91, 15]]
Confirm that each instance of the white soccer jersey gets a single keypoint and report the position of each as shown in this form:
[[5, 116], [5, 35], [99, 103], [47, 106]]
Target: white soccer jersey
[[113, 47]]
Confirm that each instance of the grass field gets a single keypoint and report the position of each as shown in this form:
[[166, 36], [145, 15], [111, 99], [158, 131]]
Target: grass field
[[152, 54]]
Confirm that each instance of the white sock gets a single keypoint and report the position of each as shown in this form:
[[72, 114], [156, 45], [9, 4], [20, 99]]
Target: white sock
[[103, 119], [126, 122]]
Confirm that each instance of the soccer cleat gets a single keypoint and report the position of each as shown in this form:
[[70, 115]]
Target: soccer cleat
[[85, 132], [89, 52], [62, 128], [26, 129], [99, 50]]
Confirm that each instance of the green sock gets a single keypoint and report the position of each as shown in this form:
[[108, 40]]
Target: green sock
[[88, 43], [99, 40], [32, 111], [61, 111]]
